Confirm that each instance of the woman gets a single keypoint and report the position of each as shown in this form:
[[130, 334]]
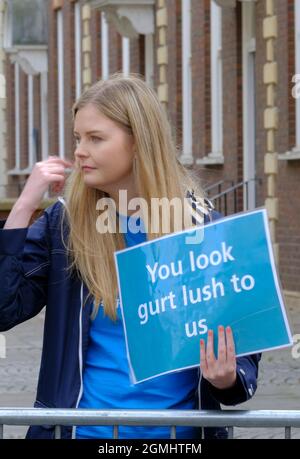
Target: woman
[[63, 261]]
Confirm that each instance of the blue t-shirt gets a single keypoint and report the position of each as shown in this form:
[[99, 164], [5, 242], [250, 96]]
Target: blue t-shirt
[[107, 384]]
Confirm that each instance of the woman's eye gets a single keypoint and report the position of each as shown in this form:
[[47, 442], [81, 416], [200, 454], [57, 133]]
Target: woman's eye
[[95, 139]]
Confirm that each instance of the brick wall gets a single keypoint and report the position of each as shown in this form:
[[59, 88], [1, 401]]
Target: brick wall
[[232, 101], [288, 233], [69, 75], [95, 25], [199, 72], [260, 102], [37, 114], [52, 82], [10, 121], [115, 50], [174, 67], [15, 182], [290, 24], [289, 172]]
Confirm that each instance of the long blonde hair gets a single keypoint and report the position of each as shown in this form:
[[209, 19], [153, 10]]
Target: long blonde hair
[[134, 106]]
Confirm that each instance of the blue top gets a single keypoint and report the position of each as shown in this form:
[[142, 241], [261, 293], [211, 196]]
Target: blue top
[[107, 384], [26, 250]]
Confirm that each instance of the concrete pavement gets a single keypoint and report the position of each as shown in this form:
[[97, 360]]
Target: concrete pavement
[[278, 386]]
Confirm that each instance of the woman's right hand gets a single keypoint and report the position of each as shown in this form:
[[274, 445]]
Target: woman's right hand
[[48, 172]]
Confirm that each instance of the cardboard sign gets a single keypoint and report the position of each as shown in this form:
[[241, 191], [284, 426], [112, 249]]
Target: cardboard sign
[[172, 291]]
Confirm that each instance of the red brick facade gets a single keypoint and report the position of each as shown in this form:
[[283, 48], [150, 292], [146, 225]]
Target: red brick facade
[[288, 187]]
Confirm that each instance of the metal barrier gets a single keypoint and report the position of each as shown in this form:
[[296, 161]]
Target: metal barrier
[[171, 418]]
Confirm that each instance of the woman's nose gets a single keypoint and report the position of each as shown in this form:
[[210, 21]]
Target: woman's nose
[[80, 151]]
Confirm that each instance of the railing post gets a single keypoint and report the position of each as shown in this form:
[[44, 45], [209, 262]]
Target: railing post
[[247, 195], [57, 432], [116, 432], [271, 418], [287, 433], [173, 432], [234, 200]]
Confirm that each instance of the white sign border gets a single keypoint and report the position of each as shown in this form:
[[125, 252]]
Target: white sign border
[[275, 277]]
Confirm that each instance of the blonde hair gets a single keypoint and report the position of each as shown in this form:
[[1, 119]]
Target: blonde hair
[[134, 106]]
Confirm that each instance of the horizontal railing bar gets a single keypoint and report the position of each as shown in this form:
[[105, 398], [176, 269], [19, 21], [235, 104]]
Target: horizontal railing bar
[[215, 185], [228, 418], [232, 188]]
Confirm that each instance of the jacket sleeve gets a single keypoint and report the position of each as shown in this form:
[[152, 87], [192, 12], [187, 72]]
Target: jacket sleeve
[[246, 382], [24, 263]]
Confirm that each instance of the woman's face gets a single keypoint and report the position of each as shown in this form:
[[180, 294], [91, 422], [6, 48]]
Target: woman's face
[[105, 147]]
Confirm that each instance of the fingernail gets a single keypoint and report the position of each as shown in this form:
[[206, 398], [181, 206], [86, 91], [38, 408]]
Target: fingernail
[[210, 332], [221, 328], [228, 329]]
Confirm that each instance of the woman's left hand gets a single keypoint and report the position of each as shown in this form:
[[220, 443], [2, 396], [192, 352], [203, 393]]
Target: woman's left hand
[[220, 372]]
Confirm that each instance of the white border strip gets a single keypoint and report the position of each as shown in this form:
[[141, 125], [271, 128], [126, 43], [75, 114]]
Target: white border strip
[[17, 117], [104, 47], [60, 73]]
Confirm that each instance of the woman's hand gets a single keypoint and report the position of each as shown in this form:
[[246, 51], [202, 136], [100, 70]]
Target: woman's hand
[[48, 172], [220, 372]]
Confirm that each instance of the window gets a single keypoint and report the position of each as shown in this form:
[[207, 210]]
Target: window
[[216, 77]]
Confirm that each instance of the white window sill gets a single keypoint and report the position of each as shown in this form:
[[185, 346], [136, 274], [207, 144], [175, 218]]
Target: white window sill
[[26, 171], [211, 159], [186, 160], [292, 155]]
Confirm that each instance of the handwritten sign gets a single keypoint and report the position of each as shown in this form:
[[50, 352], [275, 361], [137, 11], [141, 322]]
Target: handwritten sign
[[172, 292]]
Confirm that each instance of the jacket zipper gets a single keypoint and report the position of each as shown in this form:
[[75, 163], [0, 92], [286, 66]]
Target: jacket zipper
[[79, 356], [61, 199]]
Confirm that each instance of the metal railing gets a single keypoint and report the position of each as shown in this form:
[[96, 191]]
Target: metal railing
[[217, 187], [285, 419], [228, 201]]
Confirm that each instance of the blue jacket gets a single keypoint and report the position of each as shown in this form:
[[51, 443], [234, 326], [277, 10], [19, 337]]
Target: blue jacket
[[33, 274]]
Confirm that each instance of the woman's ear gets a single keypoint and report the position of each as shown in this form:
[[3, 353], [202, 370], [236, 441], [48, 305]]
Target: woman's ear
[[134, 149]]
